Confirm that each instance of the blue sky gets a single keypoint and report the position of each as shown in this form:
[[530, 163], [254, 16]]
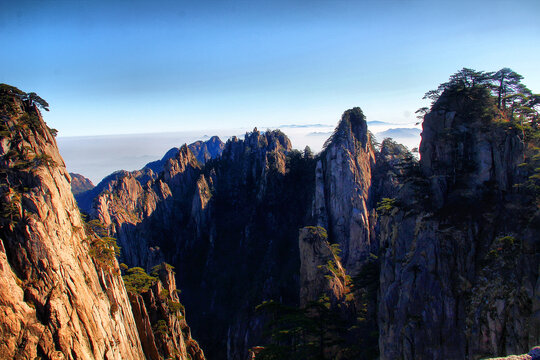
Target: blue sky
[[116, 67]]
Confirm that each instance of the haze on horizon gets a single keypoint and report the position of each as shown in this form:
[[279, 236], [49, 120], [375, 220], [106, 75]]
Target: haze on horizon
[[147, 67], [159, 66]]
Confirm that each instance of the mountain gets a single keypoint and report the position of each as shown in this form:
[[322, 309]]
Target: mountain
[[202, 150], [397, 225], [61, 290], [80, 184], [399, 133], [359, 252]]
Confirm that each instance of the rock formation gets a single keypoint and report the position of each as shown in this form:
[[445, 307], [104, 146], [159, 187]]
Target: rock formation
[[61, 293], [80, 184], [458, 265], [56, 302], [343, 203], [439, 256], [321, 272], [202, 150], [161, 322]]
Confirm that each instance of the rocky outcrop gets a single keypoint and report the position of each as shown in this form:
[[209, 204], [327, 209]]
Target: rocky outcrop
[[459, 266], [80, 184], [57, 302], [343, 196], [161, 321], [207, 150], [202, 150], [321, 272], [221, 224]]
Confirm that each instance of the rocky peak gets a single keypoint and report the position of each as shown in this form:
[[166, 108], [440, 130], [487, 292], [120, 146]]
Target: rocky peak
[[351, 128], [342, 201], [207, 150], [321, 272], [161, 319], [80, 184], [181, 171], [464, 147], [392, 162], [202, 150]]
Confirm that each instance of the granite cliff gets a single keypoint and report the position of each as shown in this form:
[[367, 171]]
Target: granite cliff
[[57, 302], [62, 295], [459, 243]]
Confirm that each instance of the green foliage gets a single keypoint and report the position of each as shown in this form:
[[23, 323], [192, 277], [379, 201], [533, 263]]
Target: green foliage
[[104, 251], [103, 248], [161, 328], [163, 266], [34, 99], [10, 208], [490, 94], [164, 294], [137, 280], [43, 159], [53, 131], [336, 250], [318, 231], [386, 205], [311, 332], [96, 227], [175, 306]]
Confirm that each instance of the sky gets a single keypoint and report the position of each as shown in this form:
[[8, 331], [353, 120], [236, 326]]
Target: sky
[[139, 67]]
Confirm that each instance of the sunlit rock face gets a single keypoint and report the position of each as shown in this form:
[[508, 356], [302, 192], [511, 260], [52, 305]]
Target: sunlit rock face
[[55, 301], [161, 320], [343, 195]]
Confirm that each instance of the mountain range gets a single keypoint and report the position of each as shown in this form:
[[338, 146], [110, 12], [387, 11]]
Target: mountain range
[[361, 251]]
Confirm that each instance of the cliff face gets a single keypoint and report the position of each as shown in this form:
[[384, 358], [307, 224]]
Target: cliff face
[[321, 272], [229, 227], [161, 321], [438, 255], [458, 259], [343, 203], [56, 301]]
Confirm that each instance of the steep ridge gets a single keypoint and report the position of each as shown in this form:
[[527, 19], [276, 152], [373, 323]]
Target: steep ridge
[[243, 208], [56, 300], [202, 150], [343, 197], [439, 257]]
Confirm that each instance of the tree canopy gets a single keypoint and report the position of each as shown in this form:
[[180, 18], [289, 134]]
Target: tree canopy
[[512, 98]]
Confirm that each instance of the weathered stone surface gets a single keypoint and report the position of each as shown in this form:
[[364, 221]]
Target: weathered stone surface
[[318, 276], [459, 266], [55, 302], [343, 193]]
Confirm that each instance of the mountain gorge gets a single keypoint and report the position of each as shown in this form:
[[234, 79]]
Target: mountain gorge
[[360, 252]]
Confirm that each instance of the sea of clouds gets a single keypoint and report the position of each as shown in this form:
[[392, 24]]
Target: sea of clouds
[[98, 156]]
